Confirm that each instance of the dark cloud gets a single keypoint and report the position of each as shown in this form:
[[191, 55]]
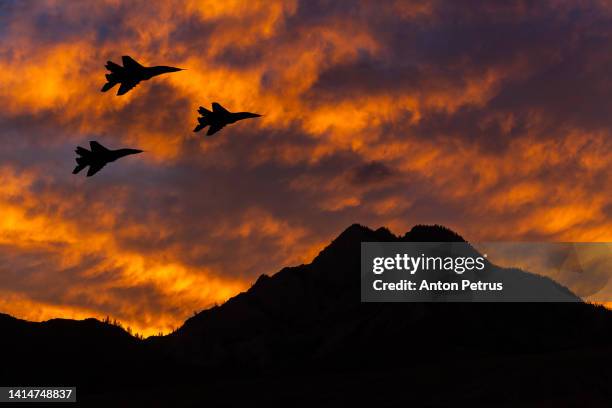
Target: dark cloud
[[488, 117], [372, 172]]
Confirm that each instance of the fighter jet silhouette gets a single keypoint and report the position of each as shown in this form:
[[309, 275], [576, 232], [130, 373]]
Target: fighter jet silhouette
[[131, 73], [98, 157], [219, 117]]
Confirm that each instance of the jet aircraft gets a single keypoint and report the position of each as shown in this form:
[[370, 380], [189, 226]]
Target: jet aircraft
[[219, 117], [131, 73], [98, 157]]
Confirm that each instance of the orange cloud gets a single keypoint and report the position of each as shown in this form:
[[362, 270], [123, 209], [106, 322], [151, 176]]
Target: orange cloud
[[393, 114]]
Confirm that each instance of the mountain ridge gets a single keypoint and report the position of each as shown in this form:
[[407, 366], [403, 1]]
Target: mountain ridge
[[292, 302], [308, 321]]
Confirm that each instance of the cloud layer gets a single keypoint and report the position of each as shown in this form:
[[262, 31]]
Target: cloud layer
[[489, 117]]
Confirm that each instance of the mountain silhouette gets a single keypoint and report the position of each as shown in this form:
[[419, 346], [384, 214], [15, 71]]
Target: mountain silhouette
[[317, 306], [303, 335]]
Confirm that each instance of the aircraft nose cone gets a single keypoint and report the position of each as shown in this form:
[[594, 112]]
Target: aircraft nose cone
[[134, 151], [166, 69]]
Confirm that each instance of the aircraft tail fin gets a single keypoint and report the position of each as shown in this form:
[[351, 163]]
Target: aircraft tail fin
[[81, 162], [111, 81], [202, 123], [108, 86], [78, 168], [81, 151], [110, 78], [200, 127], [203, 111], [112, 67]]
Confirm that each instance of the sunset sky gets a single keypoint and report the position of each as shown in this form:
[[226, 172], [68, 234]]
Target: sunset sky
[[492, 118]]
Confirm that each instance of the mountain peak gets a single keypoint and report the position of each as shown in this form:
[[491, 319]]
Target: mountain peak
[[432, 233], [314, 312], [350, 241], [354, 230]]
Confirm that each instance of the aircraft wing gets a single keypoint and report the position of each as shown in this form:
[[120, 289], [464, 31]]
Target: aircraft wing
[[94, 168], [97, 147], [126, 86], [130, 63], [218, 108], [214, 129]]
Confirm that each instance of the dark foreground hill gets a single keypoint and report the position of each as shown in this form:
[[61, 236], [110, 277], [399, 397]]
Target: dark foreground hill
[[302, 337]]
